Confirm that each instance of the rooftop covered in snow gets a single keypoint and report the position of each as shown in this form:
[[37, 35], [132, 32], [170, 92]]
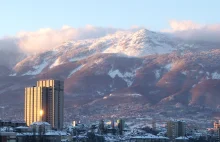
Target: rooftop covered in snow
[[40, 123]]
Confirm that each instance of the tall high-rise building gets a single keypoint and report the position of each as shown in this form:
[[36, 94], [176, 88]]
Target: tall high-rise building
[[216, 124], [35, 104], [154, 125], [121, 125], [176, 129], [2, 112], [45, 103], [218, 135]]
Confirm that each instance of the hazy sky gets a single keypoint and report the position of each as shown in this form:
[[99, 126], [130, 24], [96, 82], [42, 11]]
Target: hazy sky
[[32, 15]]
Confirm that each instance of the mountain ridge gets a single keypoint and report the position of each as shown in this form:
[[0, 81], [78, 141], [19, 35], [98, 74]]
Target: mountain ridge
[[137, 44], [123, 68]]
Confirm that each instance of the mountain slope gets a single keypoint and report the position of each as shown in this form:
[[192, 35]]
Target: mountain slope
[[141, 68], [135, 44], [167, 78]]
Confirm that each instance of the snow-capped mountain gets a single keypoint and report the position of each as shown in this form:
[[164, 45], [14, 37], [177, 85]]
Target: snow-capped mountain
[[143, 67], [132, 44]]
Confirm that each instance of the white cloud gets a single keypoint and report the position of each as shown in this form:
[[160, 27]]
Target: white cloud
[[9, 51], [47, 38], [183, 25], [8, 44], [190, 30]]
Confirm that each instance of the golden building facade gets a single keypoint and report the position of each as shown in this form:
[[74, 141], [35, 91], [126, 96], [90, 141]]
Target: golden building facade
[[34, 104], [45, 103], [217, 125]]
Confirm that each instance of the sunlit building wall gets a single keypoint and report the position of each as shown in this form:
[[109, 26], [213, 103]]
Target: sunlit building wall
[[45, 103]]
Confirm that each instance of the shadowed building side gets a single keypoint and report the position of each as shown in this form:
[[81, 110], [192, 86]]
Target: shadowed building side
[[176, 129], [55, 101]]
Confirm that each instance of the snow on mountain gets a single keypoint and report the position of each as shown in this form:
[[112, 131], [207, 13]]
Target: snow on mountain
[[14, 74], [124, 60], [215, 75], [37, 69], [157, 74], [75, 70], [168, 66], [109, 81], [142, 43], [126, 70], [134, 95], [56, 63], [128, 77], [134, 44]]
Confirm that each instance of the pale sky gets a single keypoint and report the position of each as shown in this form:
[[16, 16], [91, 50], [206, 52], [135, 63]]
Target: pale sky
[[32, 15]]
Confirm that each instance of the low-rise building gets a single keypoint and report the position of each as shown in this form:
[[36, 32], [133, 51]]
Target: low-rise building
[[149, 138], [182, 139], [21, 129], [7, 137], [36, 137], [4, 123], [40, 131]]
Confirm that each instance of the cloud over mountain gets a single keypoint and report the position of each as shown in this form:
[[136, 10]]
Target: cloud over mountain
[[176, 26], [190, 30], [10, 53], [8, 44], [47, 38]]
